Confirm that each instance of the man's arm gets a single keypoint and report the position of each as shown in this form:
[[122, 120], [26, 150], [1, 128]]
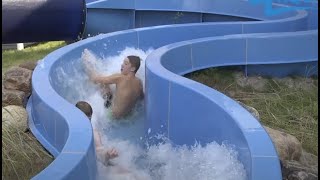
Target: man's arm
[[93, 76], [88, 66], [113, 79]]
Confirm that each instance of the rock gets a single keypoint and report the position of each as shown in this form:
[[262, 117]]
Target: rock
[[13, 97], [256, 82], [293, 170], [301, 175], [309, 160], [288, 146], [15, 116], [29, 65], [252, 110], [18, 78]]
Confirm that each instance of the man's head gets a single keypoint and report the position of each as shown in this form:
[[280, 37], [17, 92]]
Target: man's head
[[85, 108], [130, 64]]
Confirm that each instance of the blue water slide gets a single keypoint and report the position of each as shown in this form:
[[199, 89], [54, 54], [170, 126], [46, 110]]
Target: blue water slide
[[187, 35], [42, 20]]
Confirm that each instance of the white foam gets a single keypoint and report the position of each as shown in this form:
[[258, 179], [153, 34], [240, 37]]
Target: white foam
[[157, 162]]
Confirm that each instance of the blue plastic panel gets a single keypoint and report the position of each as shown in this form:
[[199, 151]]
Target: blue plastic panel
[[70, 166], [168, 5], [108, 20], [183, 32], [298, 23], [220, 53], [282, 48], [153, 18], [178, 61], [197, 120], [255, 136], [261, 164], [223, 18], [159, 122]]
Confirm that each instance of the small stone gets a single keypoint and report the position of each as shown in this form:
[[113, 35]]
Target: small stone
[[293, 170]]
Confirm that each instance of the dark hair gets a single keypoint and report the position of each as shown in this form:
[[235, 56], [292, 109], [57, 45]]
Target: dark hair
[[85, 108], [135, 62]]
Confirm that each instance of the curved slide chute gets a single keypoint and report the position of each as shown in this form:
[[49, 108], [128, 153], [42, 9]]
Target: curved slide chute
[[189, 32]]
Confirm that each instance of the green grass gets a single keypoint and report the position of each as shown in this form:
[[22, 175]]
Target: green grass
[[22, 155], [291, 109], [33, 53]]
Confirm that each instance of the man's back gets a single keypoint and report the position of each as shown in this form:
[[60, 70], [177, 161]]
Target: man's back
[[128, 92]]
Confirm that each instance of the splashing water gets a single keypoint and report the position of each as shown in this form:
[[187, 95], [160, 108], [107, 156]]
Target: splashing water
[[157, 162]]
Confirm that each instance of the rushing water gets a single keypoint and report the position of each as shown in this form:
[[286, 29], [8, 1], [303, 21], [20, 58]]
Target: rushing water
[[137, 160]]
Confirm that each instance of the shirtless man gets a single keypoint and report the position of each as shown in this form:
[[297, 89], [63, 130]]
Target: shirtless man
[[128, 87]]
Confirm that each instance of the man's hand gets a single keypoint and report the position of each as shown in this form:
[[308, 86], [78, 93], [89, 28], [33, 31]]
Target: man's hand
[[112, 153], [87, 58]]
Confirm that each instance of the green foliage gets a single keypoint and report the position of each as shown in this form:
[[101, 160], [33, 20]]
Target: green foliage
[[33, 53]]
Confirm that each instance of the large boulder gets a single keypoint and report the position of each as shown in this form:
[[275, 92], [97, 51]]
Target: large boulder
[[288, 146], [15, 116], [13, 97], [296, 164], [18, 78]]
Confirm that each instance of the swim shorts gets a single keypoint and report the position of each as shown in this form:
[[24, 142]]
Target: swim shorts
[[108, 101]]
